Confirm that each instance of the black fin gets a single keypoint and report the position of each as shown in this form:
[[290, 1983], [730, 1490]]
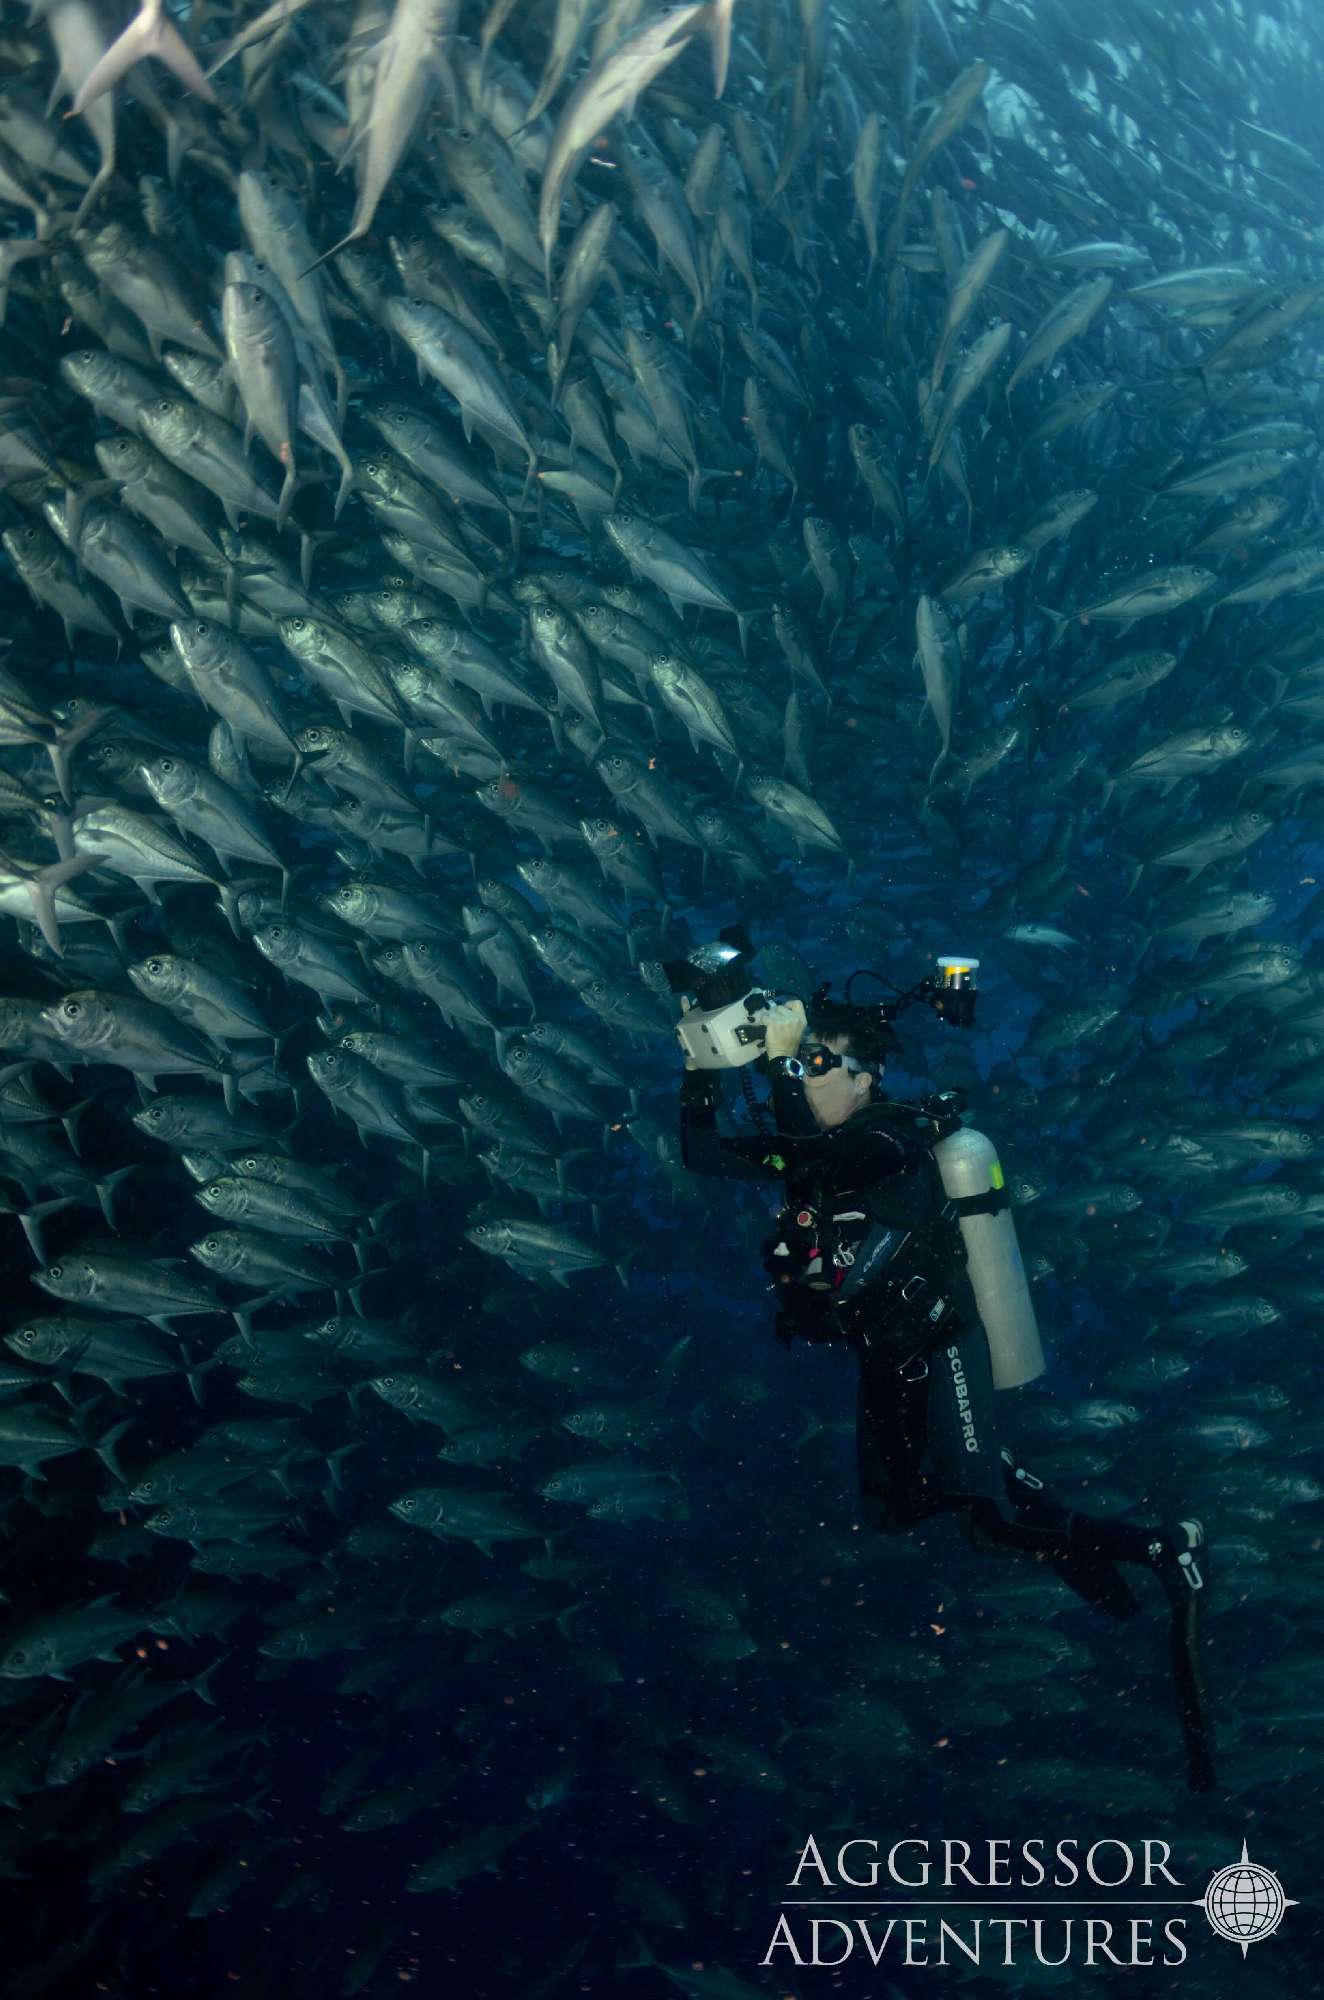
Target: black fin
[[1189, 1605]]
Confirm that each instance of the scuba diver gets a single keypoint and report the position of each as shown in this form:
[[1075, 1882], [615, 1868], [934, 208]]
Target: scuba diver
[[896, 1239]]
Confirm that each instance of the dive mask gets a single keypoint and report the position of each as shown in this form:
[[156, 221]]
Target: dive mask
[[816, 1060]]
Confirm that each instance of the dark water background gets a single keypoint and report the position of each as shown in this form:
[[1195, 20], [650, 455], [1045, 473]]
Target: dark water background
[[1089, 1750]]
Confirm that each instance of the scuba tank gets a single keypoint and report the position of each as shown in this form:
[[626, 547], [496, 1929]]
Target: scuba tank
[[973, 1180]]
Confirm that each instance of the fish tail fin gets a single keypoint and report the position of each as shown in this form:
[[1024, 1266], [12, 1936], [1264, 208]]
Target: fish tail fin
[[563, 1618], [564, 1159], [1057, 624], [200, 1685], [41, 885], [287, 492], [669, 1367], [194, 1372], [105, 173], [107, 1188], [228, 894], [644, 1956], [66, 741], [150, 33], [105, 1450], [32, 1218], [354, 236]]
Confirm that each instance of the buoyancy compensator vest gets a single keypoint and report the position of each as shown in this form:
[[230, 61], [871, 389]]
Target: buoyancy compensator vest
[[873, 1261], [893, 1261]]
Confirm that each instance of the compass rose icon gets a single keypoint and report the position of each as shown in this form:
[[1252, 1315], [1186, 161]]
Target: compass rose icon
[[1245, 1902]]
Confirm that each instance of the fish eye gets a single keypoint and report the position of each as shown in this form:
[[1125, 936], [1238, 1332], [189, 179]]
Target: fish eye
[[27, 1335], [276, 933], [156, 966], [167, 764], [57, 1270], [72, 1009]]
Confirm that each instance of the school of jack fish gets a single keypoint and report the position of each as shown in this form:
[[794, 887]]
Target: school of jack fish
[[489, 492]]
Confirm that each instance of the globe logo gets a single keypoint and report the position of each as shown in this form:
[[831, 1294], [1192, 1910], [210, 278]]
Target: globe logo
[[1245, 1902]]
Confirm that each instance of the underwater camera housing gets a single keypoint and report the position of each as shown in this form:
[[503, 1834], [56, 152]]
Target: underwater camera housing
[[726, 1025]]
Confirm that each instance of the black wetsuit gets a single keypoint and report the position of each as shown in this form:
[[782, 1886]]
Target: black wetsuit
[[868, 1192], [926, 1430]]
